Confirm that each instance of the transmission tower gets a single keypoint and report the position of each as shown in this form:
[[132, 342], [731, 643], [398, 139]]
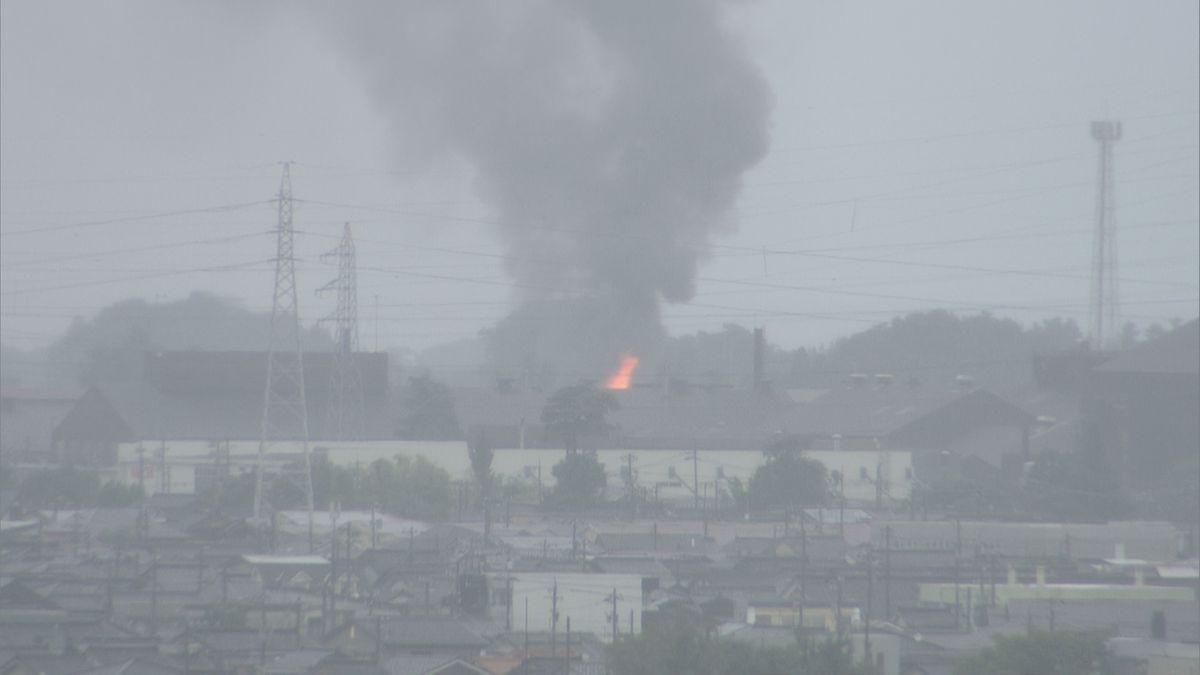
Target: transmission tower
[[1103, 330], [285, 409], [345, 412]]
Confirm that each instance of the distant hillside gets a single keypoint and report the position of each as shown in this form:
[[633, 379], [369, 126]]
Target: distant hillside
[[110, 345], [937, 345]]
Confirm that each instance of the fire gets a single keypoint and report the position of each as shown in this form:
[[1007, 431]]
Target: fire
[[621, 378]]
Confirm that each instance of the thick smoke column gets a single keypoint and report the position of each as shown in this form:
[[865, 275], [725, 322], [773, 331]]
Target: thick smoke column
[[611, 136]]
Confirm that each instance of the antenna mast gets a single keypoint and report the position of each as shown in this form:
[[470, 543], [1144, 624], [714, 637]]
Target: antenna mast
[[1103, 330]]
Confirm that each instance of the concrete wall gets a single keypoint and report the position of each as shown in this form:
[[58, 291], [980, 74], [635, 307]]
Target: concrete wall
[[650, 467], [1152, 541]]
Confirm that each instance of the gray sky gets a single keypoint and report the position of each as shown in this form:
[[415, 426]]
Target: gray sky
[[923, 154]]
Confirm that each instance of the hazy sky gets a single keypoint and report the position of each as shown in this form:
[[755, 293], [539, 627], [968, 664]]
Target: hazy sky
[[923, 154]]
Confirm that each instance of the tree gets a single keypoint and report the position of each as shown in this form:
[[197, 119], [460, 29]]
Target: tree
[[74, 488], [1041, 652], [481, 454], [576, 411], [788, 478], [580, 481], [1072, 486], [963, 494], [429, 413], [938, 344], [410, 488], [679, 643], [110, 346]]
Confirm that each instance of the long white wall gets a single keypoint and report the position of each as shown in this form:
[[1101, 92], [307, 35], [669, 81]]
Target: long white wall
[[650, 467]]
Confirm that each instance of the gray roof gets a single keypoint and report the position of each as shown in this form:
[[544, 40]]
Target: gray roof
[[427, 632], [413, 664], [1125, 618], [719, 418]]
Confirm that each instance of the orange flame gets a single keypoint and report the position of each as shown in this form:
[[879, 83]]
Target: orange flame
[[621, 378]]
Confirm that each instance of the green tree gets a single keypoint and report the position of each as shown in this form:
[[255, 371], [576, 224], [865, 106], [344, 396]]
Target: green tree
[[481, 454], [429, 413], [679, 643], [788, 478], [410, 488], [580, 481], [73, 487], [961, 494], [110, 346], [332, 483], [1041, 653], [1072, 486], [576, 411]]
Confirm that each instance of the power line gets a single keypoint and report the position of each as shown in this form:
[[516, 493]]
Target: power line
[[138, 277], [130, 219]]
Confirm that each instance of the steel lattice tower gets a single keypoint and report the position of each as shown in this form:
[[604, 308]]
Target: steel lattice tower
[[345, 421], [1103, 331], [285, 408]]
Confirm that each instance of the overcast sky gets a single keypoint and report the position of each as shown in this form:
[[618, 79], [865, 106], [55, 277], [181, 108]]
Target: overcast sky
[[923, 154]]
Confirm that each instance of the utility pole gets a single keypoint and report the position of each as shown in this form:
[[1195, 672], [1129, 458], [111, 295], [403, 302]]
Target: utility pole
[[957, 556], [1103, 331], [629, 485], [867, 615], [803, 571], [887, 572], [554, 620], [615, 618], [696, 478], [285, 407]]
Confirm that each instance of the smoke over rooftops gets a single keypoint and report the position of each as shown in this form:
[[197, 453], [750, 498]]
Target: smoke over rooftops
[[610, 136]]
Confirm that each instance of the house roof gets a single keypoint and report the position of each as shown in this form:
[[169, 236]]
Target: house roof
[[424, 632], [725, 418], [16, 595]]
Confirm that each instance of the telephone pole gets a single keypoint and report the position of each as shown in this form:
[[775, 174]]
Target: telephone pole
[[1103, 331], [285, 408]]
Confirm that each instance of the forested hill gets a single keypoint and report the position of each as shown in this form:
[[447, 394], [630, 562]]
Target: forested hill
[[938, 345], [111, 344]]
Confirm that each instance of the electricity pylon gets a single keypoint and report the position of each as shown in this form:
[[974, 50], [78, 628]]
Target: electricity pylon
[[285, 407], [345, 412]]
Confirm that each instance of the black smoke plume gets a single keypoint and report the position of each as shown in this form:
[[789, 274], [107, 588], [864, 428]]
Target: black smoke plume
[[611, 137]]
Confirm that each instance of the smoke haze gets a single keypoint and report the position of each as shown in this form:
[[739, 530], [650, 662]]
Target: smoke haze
[[612, 150]]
